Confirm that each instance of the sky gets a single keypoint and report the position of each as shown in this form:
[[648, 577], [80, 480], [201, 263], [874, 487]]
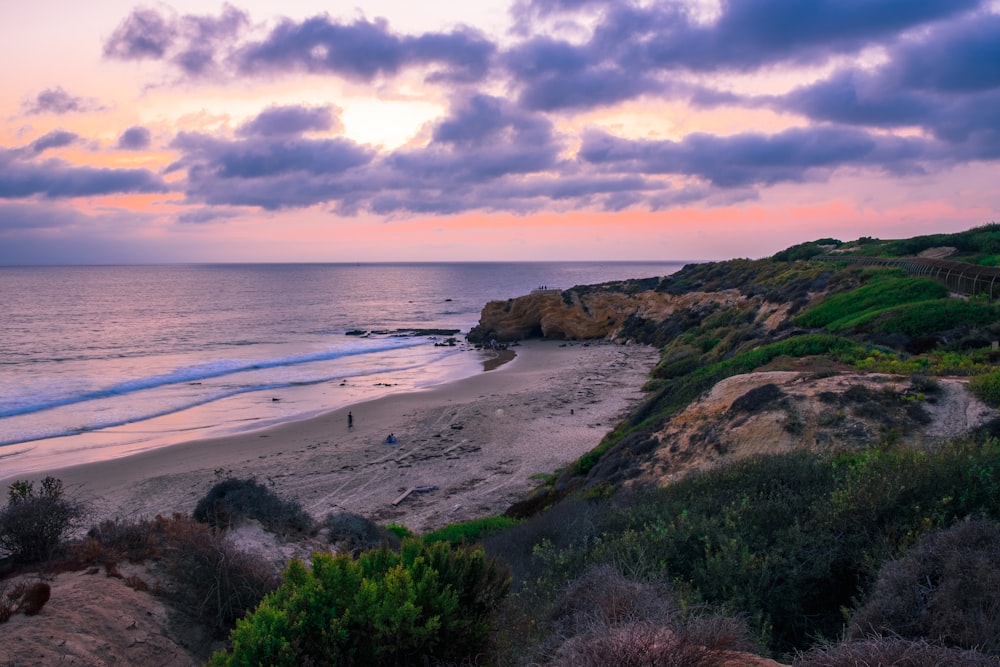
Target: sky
[[493, 130]]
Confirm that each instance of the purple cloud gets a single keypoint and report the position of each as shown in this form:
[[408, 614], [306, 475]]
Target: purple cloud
[[55, 179], [284, 120], [633, 47], [268, 172], [484, 138], [144, 33], [54, 139], [135, 138], [57, 101], [196, 44], [945, 80], [752, 159], [364, 49]]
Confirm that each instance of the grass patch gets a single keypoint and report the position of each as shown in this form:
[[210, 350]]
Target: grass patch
[[469, 532], [928, 317], [882, 292]]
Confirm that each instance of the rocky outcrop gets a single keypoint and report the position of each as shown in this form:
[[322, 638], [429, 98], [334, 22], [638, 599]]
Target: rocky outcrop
[[584, 313], [774, 412]]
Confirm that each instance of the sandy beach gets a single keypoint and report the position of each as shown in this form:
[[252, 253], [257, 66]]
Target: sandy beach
[[466, 449]]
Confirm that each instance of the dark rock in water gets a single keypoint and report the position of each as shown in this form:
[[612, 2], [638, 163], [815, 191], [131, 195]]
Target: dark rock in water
[[402, 332], [429, 332]]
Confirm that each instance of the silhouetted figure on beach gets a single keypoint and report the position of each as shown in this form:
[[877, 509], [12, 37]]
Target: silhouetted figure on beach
[[350, 420]]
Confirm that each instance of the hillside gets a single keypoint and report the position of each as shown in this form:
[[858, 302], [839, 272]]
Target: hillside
[[810, 353]]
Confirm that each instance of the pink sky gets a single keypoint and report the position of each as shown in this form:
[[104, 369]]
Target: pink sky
[[521, 130]]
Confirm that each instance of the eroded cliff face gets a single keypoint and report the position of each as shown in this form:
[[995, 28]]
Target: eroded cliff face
[[584, 314]]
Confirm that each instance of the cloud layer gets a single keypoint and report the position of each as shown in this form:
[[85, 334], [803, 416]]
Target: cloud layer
[[897, 88]]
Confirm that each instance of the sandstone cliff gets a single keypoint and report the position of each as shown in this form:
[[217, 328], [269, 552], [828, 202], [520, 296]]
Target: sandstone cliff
[[587, 313]]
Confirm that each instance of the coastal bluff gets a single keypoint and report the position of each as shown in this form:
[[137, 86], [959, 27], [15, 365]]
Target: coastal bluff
[[589, 312]]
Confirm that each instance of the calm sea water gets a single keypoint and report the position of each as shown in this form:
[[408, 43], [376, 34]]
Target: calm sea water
[[98, 362]]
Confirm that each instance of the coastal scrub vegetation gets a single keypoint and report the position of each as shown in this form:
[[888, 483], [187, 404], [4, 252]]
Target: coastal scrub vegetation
[[36, 521], [206, 575], [787, 542], [424, 603], [232, 500]]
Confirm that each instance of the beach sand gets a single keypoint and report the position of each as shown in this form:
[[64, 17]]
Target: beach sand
[[472, 447]]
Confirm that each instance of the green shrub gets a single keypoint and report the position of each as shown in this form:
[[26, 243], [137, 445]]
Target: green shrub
[[232, 500], [987, 388], [425, 603], [34, 523], [806, 250], [399, 530]]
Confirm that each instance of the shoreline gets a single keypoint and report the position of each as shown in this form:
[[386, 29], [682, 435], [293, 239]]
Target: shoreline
[[475, 443]]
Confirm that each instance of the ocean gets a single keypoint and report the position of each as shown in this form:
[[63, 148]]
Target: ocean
[[98, 362]]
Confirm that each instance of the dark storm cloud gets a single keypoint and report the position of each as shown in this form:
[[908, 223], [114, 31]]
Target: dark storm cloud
[[58, 101], [135, 138], [54, 139], [56, 179], [364, 49], [752, 159], [277, 121]]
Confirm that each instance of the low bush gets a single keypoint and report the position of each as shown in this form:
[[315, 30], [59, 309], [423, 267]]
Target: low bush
[[353, 534], [894, 651], [987, 388], [35, 522], [946, 589], [426, 603], [210, 578], [604, 619], [25, 597], [232, 500]]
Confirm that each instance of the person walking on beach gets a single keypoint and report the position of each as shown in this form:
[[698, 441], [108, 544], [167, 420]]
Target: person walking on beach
[[350, 420]]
